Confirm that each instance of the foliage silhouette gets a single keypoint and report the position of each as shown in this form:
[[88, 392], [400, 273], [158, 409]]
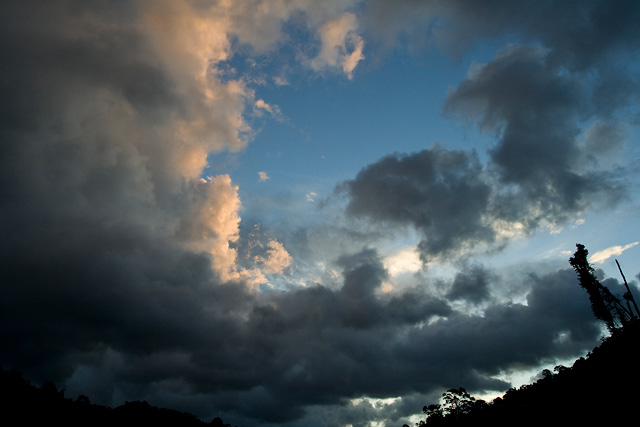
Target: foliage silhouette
[[604, 304], [596, 390], [457, 403], [24, 404]]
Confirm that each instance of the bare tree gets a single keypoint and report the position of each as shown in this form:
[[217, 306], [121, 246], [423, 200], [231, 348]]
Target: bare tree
[[628, 295]]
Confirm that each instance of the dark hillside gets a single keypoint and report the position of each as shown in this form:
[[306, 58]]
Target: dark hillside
[[24, 404], [596, 390]]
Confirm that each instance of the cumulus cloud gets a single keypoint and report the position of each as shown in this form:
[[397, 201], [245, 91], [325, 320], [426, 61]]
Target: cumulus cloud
[[534, 108], [277, 258], [471, 285], [351, 331], [441, 193], [539, 175], [212, 223]]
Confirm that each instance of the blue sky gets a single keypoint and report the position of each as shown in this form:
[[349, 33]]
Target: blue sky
[[311, 213]]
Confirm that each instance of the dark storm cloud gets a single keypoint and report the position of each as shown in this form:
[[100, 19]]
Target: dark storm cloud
[[604, 138], [523, 333], [535, 108], [148, 332], [94, 187], [319, 346], [440, 192], [580, 33], [471, 285], [540, 172]]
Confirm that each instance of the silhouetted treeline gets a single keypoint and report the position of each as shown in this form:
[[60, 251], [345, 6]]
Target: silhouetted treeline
[[21, 403], [596, 390]]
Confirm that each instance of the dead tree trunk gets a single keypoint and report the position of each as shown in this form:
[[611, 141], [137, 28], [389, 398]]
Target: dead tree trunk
[[628, 296]]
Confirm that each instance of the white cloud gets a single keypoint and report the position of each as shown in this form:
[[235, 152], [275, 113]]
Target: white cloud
[[281, 81], [261, 106], [603, 255], [341, 45], [406, 260], [263, 176]]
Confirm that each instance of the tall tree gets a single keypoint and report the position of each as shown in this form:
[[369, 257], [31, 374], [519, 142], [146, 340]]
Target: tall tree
[[589, 282], [604, 304]]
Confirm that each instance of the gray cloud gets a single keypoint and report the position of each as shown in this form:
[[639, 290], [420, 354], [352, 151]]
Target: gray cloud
[[580, 33], [539, 173], [524, 333], [604, 138], [441, 193], [535, 110], [471, 285], [319, 346]]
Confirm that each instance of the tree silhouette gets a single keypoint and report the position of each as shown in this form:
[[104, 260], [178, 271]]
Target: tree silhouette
[[628, 296], [24, 404], [604, 304], [457, 403]]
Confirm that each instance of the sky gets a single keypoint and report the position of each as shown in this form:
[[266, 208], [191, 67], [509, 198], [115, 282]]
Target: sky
[[311, 213]]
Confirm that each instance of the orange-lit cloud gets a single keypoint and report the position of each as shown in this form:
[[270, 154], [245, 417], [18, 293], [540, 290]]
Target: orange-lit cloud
[[277, 259], [212, 222]]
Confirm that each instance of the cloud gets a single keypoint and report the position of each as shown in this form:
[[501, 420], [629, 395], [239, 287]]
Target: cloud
[[351, 332], [579, 33], [471, 285], [280, 81], [341, 46], [263, 176], [538, 175], [534, 108], [124, 105], [212, 223], [603, 255], [260, 106], [125, 275], [277, 259], [405, 260], [441, 193], [604, 139]]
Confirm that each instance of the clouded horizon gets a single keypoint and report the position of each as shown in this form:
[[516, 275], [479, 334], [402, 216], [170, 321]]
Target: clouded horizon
[[311, 213]]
